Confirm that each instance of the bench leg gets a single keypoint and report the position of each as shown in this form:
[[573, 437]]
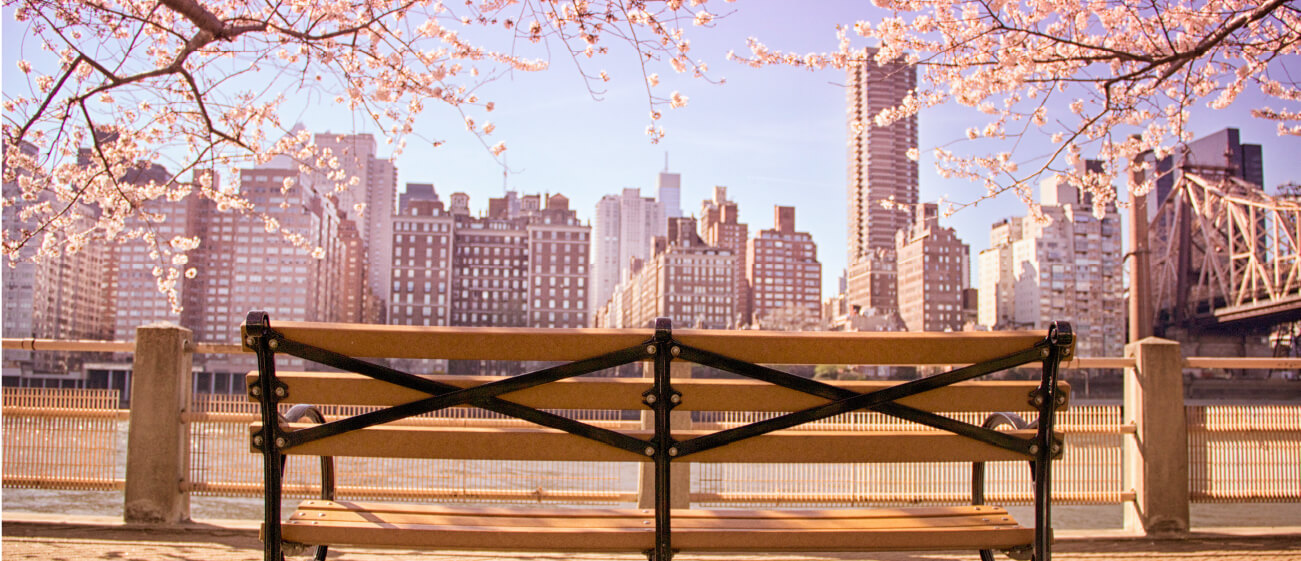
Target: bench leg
[[663, 403], [272, 460], [1060, 339]]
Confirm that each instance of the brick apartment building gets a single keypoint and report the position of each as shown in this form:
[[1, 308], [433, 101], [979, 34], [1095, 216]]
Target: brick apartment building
[[784, 275]]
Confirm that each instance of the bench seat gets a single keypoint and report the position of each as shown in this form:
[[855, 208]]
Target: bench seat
[[402, 525]]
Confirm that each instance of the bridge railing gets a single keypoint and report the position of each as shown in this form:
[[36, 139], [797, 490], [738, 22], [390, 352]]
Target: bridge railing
[[1154, 454]]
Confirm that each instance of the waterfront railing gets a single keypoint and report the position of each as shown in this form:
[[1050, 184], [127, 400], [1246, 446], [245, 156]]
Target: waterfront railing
[[76, 439]]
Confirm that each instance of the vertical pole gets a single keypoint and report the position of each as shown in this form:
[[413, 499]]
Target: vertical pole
[[1140, 277], [1154, 459], [681, 471], [1060, 341], [256, 338], [158, 443], [665, 449]]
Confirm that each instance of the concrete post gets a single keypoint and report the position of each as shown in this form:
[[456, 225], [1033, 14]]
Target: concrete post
[[680, 472], [1154, 460], [158, 442]]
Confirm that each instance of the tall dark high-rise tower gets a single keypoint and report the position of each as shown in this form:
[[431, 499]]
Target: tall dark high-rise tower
[[879, 172]]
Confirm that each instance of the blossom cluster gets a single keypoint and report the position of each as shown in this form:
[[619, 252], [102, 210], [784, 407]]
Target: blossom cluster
[[1114, 77], [200, 85]]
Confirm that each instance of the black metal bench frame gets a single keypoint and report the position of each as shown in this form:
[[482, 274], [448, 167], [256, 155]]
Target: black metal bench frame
[[662, 348]]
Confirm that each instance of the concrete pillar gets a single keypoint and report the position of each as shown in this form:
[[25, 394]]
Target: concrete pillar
[[679, 472], [158, 443], [1154, 460]]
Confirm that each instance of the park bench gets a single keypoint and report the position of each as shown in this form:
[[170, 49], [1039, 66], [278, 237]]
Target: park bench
[[670, 526]]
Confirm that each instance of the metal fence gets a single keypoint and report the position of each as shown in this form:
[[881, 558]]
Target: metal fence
[[1089, 472], [64, 439], [1242, 453], [76, 439], [222, 463]]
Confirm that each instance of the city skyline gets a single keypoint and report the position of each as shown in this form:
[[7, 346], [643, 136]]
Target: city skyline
[[774, 136]]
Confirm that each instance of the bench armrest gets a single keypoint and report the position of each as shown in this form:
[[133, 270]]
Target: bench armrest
[[978, 472], [978, 468], [310, 412]]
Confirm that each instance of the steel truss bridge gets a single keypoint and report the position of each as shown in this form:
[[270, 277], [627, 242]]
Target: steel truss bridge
[[1224, 257]]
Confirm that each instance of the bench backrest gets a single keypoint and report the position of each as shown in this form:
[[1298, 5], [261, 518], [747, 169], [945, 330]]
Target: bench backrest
[[415, 439]]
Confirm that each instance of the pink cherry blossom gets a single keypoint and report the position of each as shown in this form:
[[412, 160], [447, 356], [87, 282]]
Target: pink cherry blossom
[[1080, 73], [198, 85]]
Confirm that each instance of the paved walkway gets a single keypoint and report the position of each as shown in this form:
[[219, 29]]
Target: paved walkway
[[46, 537]]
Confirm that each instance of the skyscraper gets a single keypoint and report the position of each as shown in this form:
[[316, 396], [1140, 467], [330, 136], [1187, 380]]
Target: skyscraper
[[64, 295], [668, 191], [246, 267], [882, 182], [622, 231], [369, 202], [996, 276]]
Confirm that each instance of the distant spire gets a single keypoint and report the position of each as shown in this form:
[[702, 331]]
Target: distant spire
[[666, 160]]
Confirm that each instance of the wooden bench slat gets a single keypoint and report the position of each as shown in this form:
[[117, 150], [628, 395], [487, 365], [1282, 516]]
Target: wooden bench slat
[[489, 511], [525, 520], [553, 445], [640, 539], [321, 388], [761, 347], [333, 523]]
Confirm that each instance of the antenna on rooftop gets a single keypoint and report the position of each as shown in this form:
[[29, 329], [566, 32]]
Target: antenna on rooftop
[[666, 161]]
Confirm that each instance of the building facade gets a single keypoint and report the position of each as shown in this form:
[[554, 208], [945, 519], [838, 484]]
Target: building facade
[[622, 230], [720, 226], [71, 292], [524, 264], [1067, 268], [933, 268], [422, 264], [784, 275], [996, 286], [685, 280], [668, 191], [369, 201], [135, 289], [247, 266], [558, 280], [882, 179]]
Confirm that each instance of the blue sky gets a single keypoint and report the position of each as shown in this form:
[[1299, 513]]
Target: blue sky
[[773, 136]]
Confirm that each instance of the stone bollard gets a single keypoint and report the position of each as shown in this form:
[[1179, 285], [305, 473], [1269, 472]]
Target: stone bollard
[[158, 442], [1154, 459], [680, 496]]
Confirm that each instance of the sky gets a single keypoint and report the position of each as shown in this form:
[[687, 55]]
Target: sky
[[772, 136]]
